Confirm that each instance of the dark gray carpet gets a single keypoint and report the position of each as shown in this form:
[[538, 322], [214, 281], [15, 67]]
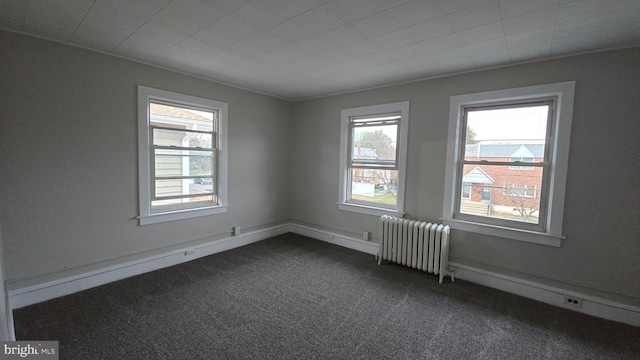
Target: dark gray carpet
[[292, 297]]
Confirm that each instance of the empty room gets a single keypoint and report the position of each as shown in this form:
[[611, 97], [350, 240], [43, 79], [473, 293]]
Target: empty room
[[371, 179]]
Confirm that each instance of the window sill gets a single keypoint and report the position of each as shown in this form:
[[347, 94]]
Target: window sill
[[180, 215], [369, 210], [505, 232]]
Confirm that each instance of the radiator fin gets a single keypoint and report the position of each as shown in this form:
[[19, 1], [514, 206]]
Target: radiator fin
[[416, 244]]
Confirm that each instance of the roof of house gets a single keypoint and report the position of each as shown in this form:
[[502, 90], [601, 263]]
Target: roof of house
[[175, 112], [361, 152], [504, 150], [477, 175]]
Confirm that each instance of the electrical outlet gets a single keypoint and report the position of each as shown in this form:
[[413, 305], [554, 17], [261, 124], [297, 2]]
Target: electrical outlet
[[573, 301], [236, 230], [189, 252], [365, 235]]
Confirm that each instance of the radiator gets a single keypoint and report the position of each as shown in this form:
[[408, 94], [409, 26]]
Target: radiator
[[416, 244]]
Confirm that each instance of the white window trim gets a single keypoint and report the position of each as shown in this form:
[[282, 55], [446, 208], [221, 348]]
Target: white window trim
[[345, 115], [144, 166], [559, 159]]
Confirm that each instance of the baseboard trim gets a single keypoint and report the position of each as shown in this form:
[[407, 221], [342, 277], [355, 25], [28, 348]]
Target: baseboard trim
[[50, 290], [336, 239], [591, 305], [594, 306]]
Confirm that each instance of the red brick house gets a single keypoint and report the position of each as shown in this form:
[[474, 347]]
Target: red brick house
[[491, 189]]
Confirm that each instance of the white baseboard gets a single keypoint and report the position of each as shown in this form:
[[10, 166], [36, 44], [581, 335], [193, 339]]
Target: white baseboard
[[45, 291], [336, 239], [591, 305], [551, 295]]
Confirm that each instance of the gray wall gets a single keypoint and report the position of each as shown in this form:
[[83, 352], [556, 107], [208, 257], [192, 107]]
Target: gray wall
[[600, 253], [68, 156]]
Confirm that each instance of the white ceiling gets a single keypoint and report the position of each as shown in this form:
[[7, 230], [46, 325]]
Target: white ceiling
[[298, 49]]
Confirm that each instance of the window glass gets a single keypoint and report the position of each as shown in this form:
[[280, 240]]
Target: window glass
[[496, 191], [374, 186]]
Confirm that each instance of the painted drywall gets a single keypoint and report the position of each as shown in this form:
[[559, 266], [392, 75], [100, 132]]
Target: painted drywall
[[600, 254], [5, 330], [68, 154]]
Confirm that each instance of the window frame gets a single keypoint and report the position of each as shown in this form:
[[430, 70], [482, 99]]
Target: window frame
[[521, 160], [550, 232], [346, 148], [551, 102], [146, 95]]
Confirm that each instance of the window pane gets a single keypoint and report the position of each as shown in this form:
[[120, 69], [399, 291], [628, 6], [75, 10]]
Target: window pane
[[180, 187], [374, 186], [466, 190], [163, 137], [500, 192], [374, 143], [366, 120], [183, 163], [504, 133], [181, 116]]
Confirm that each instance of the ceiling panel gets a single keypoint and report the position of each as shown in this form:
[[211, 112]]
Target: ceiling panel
[[513, 8], [392, 40], [530, 51], [259, 15], [581, 9], [485, 13], [530, 37], [530, 21], [428, 47], [376, 25], [296, 49], [291, 8], [55, 19], [452, 6], [12, 14], [150, 40], [486, 60], [186, 17], [415, 12], [307, 25], [226, 6], [350, 11], [430, 29], [481, 33], [255, 46]]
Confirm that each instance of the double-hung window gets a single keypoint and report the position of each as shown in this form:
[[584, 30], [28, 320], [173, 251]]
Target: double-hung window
[[507, 162], [373, 153], [182, 156]]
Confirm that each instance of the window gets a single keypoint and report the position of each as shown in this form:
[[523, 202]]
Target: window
[[522, 160], [182, 156], [493, 137], [466, 190], [372, 158], [519, 190]]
